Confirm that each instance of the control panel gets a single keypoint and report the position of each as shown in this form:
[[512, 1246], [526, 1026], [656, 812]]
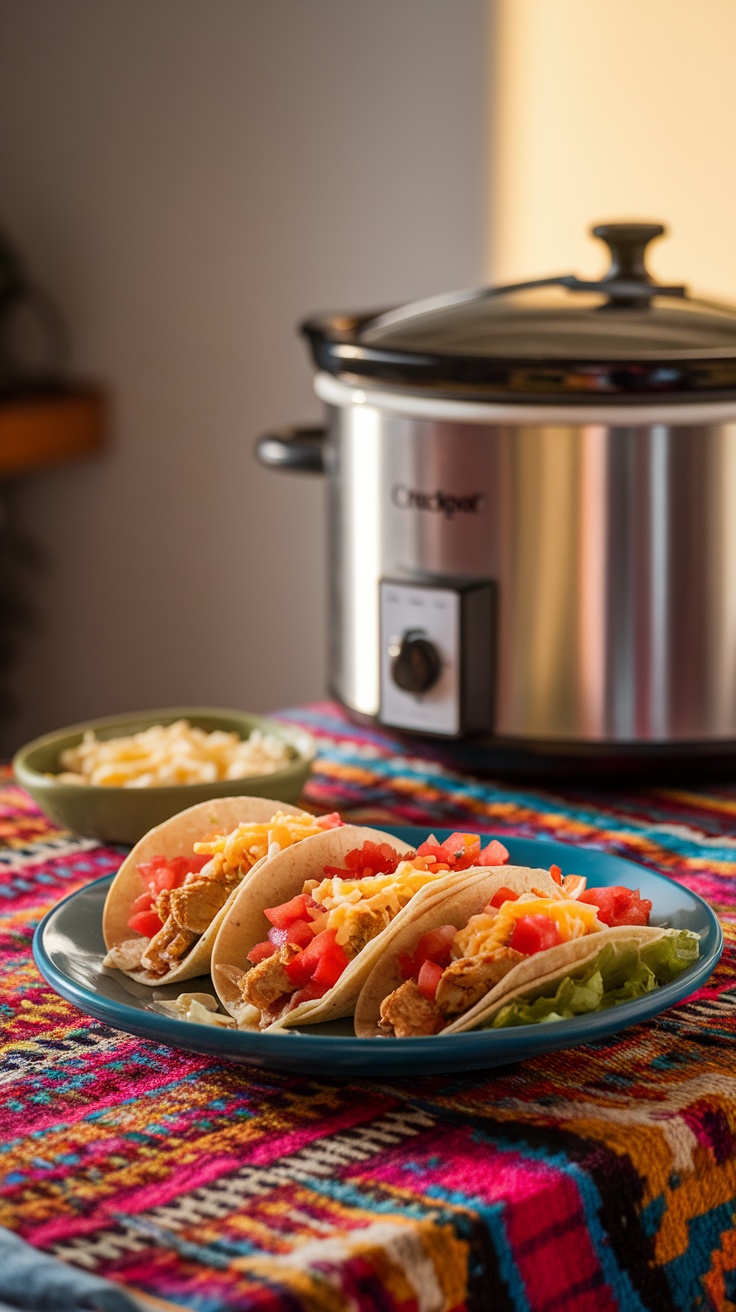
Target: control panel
[[436, 656]]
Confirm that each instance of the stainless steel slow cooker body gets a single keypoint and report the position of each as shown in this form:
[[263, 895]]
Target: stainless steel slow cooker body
[[548, 572], [608, 551]]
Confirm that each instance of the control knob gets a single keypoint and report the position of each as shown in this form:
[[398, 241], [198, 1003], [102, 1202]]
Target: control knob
[[416, 664]]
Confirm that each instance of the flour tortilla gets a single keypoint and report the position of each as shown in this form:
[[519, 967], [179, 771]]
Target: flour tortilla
[[534, 986], [284, 878], [456, 908], [176, 837]]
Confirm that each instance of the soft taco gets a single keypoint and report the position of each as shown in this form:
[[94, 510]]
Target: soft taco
[[172, 891], [517, 949], [303, 934]]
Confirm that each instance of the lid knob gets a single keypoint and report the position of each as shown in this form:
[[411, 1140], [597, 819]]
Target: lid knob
[[627, 243]]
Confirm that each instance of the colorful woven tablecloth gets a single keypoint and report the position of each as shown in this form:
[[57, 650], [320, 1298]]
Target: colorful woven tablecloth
[[595, 1179]]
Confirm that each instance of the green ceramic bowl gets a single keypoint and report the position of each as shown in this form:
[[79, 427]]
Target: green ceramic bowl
[[123, 815]]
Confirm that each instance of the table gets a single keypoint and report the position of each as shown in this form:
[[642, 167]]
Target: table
[[596, 1179]]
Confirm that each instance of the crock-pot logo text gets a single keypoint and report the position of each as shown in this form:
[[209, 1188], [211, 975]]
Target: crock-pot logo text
[[438, 503]]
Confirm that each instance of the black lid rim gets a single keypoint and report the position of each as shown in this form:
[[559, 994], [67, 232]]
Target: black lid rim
[[541, 382], [537, 382]]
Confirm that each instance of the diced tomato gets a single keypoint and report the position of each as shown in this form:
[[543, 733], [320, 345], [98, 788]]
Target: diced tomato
[[502, 895], [461, 850], [379, 858], [495, 854], [299, 970], [180, 866], [309, 958], [158, 874], [430, 847], [618, 906], [165, 878], [150, 869], [463, 844], [188, 865], [169, 872], [534, 934], [146, 923], [458, 852], [309, 993], [435, 946], [283, 915], [556, 874], [331, 821], [151, 872], [406, 964], [147, 868], [430, 975], [330, 966], [304, 966], [298, 932], [261, 951]]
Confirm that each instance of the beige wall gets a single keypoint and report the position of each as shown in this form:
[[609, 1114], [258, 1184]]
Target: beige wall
[[609, 110], [190, 178]]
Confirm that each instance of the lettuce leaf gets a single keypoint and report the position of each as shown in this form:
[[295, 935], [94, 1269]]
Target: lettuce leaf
[[616, 974], [670, 955]]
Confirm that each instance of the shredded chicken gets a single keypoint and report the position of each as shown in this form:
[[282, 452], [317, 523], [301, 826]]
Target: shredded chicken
[[167, 947], [185, 913], [246, 1015], [466, 981], [267, 981], [195, 905], [361, 924], [407, 1012], [179, 945], [127, 955], [162, 905]]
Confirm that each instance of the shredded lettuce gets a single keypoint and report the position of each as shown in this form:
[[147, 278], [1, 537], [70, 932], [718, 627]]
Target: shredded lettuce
[[618, 973], [670, 955]]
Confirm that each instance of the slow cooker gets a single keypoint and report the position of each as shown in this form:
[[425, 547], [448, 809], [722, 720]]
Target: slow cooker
[[532, 516]]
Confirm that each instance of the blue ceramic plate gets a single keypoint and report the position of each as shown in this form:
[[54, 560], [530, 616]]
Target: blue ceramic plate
[[68, 948]]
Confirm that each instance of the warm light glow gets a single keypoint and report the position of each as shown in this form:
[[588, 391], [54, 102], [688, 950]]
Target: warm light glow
[[592, 581], [363, 487], [605, 112]]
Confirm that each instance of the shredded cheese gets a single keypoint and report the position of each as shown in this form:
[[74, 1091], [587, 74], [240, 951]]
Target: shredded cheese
[[372, 890], [177, 753], [488, 931], [360, 908], [236, 852]]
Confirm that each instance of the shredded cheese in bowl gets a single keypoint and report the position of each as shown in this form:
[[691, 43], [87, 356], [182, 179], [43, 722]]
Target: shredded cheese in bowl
[[176, 753]]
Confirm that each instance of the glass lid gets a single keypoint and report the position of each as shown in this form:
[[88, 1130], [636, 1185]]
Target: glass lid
[[560, 338]]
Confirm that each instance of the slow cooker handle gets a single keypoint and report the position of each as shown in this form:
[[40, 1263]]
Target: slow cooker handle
[[297, 450]]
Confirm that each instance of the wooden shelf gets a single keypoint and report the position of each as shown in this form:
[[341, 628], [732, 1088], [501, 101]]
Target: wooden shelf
[[38, 431]]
